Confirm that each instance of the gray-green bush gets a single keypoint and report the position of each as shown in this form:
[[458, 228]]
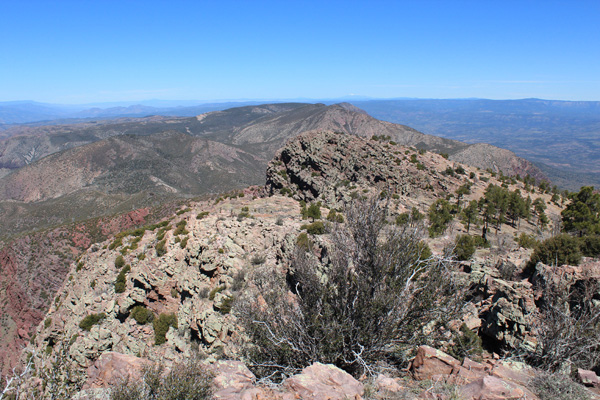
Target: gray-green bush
[[376, 299]]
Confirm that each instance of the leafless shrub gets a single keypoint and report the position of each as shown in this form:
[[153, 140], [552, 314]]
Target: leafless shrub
[[567, 326], [55, 377], [375, 296], [11, 384]]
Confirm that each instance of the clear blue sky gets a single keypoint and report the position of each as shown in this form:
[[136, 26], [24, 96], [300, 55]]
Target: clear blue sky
[[91, 51]]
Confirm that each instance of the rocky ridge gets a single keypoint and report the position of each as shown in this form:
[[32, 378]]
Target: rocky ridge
[[203, 263]]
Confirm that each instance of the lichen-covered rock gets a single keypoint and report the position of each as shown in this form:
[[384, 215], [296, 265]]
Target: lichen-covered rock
[[334, 168], [195, 282], [507, 308]]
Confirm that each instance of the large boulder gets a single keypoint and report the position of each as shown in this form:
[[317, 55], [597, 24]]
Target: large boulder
[[430, 362], [112, 367], [492, 388], [324, 382], [234, 381]]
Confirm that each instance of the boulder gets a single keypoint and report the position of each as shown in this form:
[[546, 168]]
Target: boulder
[[324, 382], [387, 384], [234, 381], [112, 367], [588, 378], [492, 388], [430, 362]]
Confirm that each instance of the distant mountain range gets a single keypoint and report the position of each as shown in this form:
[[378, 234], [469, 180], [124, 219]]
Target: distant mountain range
[[560, 137]]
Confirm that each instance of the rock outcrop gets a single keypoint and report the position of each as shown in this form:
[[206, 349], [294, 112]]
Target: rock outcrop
[[163, 293], [195, 279], [489, 381], [334, 168]]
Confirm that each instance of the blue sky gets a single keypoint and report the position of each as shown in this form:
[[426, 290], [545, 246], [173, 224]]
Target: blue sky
[[93, 51]]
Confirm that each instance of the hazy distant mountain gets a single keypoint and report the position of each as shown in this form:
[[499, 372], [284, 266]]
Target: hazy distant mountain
[[29, 112], [562, 137], [19, 112]]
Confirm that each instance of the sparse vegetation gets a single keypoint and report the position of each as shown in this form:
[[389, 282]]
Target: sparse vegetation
[[466, 344], [180, 228], [558, 250], [314, 211], [464, 247], [303, 241], [226, 304], [315, 228], [119, 262], [202, 215], [568, 322], [92, 319], [527, 241], [558, 386], [161, 248], [258, 259], [183, 243], [439, 217], [334, 216], [244, 213], [213, 293], [121, 281], [141, 315], [161, 326]]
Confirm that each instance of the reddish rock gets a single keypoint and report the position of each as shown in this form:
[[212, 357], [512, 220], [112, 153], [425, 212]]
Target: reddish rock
[[112, 367], [233, 380], [430, 362], [588, 378], [519, 374], [472, 365], [324, 382], [388, 384], [492, 388], [34, 267]]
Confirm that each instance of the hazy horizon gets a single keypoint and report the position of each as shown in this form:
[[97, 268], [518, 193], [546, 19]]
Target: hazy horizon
[[166, 103]]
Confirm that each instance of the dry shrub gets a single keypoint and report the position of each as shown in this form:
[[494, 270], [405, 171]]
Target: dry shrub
[[186, 381], [558, 387], [375, 296], [567, 326]]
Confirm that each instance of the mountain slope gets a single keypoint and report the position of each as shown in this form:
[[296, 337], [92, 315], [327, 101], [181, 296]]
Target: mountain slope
[[264, 127], [102, 177]]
